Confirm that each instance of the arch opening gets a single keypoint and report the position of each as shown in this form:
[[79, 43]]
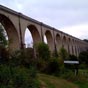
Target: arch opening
[[69, 45], [72, 50], [28, 39], [73, 47], [58, 42], [64, 42], [13, 39], [3, 31], [45, 39], [49, 40], [32, 36]]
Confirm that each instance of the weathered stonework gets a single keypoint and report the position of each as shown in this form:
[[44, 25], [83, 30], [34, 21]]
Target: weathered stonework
[[16, 23]]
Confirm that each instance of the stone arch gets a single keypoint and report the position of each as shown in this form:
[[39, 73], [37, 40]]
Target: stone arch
[[72, 50], [58, 41], [34, 33], [69, 45], [64, 39], [12, 33], [77, 47], [76, 50], [49, 38], [65, 42], [73, 46]]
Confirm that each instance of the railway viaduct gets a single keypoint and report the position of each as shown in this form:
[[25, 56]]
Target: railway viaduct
[[16, 23]]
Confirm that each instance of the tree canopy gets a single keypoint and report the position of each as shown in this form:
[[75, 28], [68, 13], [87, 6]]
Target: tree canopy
[[3, 40]]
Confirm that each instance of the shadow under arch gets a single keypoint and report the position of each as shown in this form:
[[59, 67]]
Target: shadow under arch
[[65, 45], [49, 39], [64, 41], [69, 45], [35, 34], [13, 38], [73, 43], [58, 41]]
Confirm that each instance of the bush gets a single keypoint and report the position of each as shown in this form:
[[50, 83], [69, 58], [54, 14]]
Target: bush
[[73, 58], [17, 77], [43, 55], [69, 75], [53, 67], [43, 51], [42, 65], [63, 53], [20, 71], [83, 57], [23, 58], [4, 55]]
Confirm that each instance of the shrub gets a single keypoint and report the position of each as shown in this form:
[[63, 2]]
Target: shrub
[[43, 55], [55, 53], [23, 58], [20, 72], [43, 51], [68, 75], [83, 57], [53, 66], [5, 75], [73, 58], [17, 77], [63, 53], [4, 55], [42, 65]]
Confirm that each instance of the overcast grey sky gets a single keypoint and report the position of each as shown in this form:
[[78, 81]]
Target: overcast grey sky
[[70, 16]]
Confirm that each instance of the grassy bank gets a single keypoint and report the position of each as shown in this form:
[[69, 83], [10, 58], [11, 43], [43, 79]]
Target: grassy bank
[[82, 85], [54, 82]]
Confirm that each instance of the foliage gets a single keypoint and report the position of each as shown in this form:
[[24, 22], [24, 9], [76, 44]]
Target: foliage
[[43, 51], [63, 53], [17, 77], [55, 53], [3, 40], [19, 71], [42, 65], [48, 81], [72, 66], [29, 58], [86, 40], [24, 58], [4, 55], [83, 57], [43, 56], [73, 58], [70, 76], [53, 67]]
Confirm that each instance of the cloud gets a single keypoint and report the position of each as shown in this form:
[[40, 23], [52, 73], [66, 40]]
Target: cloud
[[79, 31], [69, 15]]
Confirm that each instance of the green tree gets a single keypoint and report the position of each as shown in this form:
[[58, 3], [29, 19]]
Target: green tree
[[43, 51], [63, 53], [43, 55], [83, 57], [3, 40], [73, 58], [4, 54]]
